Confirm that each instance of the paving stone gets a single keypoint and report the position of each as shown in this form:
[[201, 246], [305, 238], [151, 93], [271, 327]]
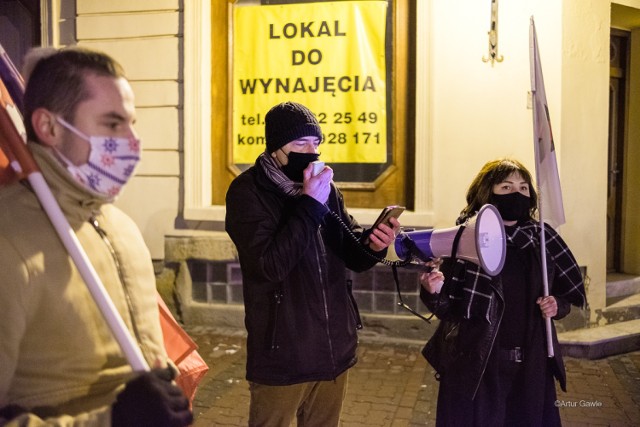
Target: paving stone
[[392, 385]]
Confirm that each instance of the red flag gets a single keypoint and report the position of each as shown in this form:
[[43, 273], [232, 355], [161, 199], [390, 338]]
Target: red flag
[[15, 160], [11, 90], [550, 193], [12, 79], [183, 351], [7, 175]]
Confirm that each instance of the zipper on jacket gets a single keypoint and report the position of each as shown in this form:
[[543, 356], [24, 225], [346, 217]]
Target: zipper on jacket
[[324, 299], [103, 234], [273, 319]]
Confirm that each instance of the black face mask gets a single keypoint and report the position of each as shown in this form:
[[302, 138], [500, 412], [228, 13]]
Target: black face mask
[[512, 206], [297, 163]]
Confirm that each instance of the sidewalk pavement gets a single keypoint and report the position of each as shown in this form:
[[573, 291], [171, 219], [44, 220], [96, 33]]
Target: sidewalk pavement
[[392, 385]]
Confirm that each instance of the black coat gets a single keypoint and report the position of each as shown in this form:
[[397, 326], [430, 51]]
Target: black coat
[[300, 316], [464, 348]]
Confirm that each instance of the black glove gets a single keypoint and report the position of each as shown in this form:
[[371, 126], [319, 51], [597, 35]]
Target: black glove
[[9, 412], [151, 400]]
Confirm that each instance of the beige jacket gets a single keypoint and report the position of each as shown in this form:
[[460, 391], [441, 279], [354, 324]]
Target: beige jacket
[[58, 358]]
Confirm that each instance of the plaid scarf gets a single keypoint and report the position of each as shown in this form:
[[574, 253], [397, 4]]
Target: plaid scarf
[[477, 293], [275, 174]]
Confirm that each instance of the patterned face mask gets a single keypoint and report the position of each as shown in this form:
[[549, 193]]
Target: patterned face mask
[[111, 164]]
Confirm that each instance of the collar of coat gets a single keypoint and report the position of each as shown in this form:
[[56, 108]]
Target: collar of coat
[[478, 294], [76, 201]]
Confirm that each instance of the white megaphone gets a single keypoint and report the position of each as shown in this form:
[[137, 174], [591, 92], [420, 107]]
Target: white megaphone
[[480, 240]]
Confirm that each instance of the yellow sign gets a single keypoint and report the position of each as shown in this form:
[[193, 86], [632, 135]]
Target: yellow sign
[[329, 57]]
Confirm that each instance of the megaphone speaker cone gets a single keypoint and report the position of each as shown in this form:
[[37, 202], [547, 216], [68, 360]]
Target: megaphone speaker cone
[[490, 239], [481, 241]]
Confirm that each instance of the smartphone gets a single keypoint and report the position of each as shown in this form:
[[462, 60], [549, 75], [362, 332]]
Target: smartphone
[[387, 213], [318, 166]]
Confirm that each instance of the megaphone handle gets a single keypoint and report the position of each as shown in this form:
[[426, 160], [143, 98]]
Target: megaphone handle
[[401, 303], [456, 240]]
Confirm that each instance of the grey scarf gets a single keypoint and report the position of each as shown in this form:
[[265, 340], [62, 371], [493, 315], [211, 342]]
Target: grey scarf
[[275, 174]]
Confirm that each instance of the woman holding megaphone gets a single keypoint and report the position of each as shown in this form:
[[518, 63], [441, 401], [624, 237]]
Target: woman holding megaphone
[[489, 350]]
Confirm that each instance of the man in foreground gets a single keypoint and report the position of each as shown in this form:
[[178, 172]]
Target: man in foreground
[[59, 363]]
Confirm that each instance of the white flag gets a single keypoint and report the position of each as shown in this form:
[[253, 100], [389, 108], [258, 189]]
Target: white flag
[[549, 191]]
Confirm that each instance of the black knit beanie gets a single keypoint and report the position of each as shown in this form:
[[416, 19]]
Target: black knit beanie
[[289, 121]]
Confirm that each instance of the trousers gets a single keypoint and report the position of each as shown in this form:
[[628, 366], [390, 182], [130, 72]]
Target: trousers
[[312, 404]]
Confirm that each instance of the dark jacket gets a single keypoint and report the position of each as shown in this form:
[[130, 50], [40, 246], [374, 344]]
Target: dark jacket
[[466, 335], [300, 316]]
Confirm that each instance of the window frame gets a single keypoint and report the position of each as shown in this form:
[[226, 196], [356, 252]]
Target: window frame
[[197, 170]]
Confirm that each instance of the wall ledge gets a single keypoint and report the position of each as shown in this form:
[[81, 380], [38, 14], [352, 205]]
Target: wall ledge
[[180, 245]]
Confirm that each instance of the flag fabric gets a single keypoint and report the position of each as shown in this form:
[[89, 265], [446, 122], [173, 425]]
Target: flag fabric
[[549, 191], [12, 79], [15, 161], [11, 91], [7, 173], [183, 351]]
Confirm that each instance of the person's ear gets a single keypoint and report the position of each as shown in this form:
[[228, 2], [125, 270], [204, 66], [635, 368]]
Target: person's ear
[[281, 157], [44, 126]]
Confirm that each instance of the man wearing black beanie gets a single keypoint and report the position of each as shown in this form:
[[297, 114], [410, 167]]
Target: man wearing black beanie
[[295, 240]]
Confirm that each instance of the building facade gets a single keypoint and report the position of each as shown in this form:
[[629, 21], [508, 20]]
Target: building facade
[[465, 112]]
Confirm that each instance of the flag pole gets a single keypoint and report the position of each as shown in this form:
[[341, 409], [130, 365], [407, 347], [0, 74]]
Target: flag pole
[[533, 51], [24, 165], [12, 79]]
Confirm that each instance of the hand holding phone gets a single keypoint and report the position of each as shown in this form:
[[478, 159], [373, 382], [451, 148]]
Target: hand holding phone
[[388, 213]]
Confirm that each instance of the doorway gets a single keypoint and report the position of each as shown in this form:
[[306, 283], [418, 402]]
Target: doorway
[[618, 60]]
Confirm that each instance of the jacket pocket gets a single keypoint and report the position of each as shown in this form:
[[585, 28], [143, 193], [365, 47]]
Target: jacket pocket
[[354, 306], [442, 348], [272, 327]]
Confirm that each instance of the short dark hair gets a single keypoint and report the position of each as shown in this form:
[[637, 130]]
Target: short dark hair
[[492, 173], [57, 82]]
